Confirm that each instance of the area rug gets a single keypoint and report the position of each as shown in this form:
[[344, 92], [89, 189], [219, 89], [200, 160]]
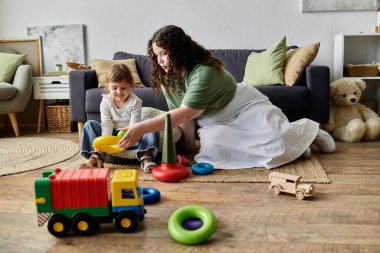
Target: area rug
[[29, 153], [310, 170]]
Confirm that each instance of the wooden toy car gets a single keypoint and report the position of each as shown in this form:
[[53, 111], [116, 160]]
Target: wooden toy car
[[282, 182]]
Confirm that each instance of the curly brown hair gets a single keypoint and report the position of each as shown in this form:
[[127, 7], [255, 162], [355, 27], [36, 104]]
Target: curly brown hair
[[183, 53]]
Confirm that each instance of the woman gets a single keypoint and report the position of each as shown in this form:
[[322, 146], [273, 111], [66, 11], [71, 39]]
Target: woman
[[239, 127]]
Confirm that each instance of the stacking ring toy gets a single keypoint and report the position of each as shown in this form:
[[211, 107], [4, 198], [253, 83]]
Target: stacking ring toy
[[107, 143], [151, 195], [196, 236], [202, 168]]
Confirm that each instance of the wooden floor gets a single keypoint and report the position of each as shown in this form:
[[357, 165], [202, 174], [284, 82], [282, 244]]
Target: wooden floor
[[343, 216]]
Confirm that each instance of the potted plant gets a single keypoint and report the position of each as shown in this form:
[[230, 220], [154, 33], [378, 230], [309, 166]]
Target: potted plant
[[58, 67]]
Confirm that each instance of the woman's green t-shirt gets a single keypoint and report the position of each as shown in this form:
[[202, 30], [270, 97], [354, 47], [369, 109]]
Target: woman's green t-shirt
[[205, 87]]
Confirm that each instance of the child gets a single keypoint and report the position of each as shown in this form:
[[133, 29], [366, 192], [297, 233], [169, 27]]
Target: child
[[119, 108]]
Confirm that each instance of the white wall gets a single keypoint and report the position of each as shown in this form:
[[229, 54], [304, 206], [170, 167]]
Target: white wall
[[126, 25]]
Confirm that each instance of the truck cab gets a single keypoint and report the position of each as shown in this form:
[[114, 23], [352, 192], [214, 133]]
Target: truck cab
[[126, 194], [127, 200]]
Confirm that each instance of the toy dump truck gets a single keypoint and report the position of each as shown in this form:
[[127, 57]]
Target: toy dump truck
[[81, 199], [282, 182]]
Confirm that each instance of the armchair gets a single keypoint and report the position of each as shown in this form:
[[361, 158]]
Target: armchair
[[14, 96]]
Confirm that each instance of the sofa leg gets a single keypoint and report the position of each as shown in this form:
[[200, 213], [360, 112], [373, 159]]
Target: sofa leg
[[80, 127], [13, 118]]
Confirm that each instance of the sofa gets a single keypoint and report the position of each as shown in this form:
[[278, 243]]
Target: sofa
[[308, 99]]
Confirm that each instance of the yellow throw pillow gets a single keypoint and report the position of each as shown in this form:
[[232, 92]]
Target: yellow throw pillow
[[297, 60], [101, 67]]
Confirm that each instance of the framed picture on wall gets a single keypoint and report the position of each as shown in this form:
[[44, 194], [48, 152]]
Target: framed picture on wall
[[339, 5], [60, 44], [29, 45]]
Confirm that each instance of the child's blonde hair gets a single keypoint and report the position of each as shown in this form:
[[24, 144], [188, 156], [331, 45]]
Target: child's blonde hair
[[119, 72]]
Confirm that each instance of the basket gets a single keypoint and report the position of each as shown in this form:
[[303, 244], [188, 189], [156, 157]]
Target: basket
[[360, 70], [58, 118]]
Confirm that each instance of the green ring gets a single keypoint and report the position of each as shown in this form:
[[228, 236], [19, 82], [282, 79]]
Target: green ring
[[197, 236]]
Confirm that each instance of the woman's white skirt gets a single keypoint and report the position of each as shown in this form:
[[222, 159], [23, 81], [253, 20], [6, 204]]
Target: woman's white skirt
[[251, 132]]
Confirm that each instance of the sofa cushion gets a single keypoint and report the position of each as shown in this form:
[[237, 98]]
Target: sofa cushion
[[101, 67], [267, 67], [7, 91], [142, 64], [94, 97], [295, 98], [234, 61], [297, 60], [152, 100], [9, 64]]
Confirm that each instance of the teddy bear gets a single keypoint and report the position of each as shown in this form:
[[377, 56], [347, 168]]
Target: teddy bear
[[349, 120]]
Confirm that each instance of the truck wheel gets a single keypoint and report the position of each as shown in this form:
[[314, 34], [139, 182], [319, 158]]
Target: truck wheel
[[83, 225], [126, 222], [275, 190], [58, 225], [299, 195]]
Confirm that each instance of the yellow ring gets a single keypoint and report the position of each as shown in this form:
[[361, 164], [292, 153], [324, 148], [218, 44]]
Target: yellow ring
[[107, 144]]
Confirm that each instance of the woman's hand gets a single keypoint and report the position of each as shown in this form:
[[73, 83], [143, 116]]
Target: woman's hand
[[133, 134]]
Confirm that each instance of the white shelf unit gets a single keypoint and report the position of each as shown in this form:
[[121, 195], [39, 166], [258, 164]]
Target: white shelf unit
[[358, 49], [49, 88]]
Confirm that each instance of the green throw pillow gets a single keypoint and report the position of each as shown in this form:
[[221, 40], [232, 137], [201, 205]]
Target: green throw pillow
[[9, 64], [267, 67]]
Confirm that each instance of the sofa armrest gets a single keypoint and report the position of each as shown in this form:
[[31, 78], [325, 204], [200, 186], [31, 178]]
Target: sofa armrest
[[22, 81], [318, 83], [79, 82]]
